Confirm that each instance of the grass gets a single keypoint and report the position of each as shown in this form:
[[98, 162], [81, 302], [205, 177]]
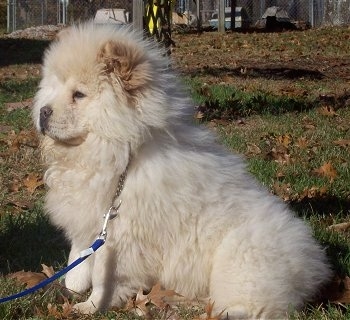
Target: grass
[[311, 142], [228, 102], [330, 313], [15, 90], [278, 123]]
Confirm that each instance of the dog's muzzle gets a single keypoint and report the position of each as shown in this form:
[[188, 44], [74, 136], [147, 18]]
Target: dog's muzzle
[[45, 113]]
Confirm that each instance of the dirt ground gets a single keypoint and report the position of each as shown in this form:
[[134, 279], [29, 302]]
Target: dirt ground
[[313, 62]]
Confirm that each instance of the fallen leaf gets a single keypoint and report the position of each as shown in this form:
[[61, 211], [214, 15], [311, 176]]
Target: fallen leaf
[[309, 126], [32, 181], [22, 204], [313, 192], [327, 111], [18, 105], [157, 296], [130, 305], [52, 311], [141, 303], [14, 186], [342, 142], [279, 154], [302, 143], [340, 227], [25, 137], [252, 150], [67, 308], [61, 311], [338, 291], [209, 313], [55, 311], [308, 123], [47, 271], [199, 115], [280, 174], [285, 140], [283, 190], [326, 170], [28, 138], [30, 279]]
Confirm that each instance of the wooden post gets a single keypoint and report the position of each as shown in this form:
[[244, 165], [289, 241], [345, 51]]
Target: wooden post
[[311, 13], [199, 17], [233, 14], [137, 15], [221, 17]]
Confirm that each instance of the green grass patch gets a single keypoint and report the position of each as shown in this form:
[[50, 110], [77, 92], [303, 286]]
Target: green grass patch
[[13, 90], [329, 312], [18, 117]]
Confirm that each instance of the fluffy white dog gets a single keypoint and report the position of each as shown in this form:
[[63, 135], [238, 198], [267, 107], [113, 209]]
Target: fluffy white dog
[[191, 217]]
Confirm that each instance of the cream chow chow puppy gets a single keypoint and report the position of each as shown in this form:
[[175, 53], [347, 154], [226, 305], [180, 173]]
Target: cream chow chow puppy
[[191, 217]]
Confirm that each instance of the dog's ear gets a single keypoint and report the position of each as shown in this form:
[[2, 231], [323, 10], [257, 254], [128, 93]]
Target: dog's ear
[[127, 62]]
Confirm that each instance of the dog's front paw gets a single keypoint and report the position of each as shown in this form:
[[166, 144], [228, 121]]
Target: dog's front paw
[[87, 307], [76, 284], [78, 280]]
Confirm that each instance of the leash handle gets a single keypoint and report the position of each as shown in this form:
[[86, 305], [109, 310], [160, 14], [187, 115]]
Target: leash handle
[[83, 255]]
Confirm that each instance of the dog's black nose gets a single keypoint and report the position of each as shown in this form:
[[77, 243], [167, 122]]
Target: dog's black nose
[[45, 113]]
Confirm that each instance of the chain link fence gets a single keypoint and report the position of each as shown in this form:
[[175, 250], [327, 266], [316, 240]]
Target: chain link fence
[[27, 13], [314, 13]]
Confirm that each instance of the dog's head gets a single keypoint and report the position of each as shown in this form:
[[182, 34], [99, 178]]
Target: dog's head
[[102, 81]]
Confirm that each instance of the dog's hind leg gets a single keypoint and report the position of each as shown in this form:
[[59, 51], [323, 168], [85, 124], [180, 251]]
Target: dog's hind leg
[[244, 284]]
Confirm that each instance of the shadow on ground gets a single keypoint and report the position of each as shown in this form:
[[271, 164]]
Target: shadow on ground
[[328, 208], [21, 51], [28, 240], [273, 72], [322, 205]]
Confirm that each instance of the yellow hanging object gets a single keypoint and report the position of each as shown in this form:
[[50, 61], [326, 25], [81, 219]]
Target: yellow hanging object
[[149, 10]]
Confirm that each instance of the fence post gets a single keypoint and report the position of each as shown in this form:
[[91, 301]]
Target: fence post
[[64, 11], [233, 14], [221, 16], [14, 15], [311, 13], [199, 18], [8, 15], [262, 8], [137, 15]]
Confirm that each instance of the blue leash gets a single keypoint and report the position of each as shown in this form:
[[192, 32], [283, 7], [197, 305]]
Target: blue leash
[[83, 255]]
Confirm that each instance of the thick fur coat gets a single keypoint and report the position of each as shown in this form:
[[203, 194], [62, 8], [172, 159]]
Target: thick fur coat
[[191, 217]]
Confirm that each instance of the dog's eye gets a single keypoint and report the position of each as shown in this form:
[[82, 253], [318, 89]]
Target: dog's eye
[[78, 95]]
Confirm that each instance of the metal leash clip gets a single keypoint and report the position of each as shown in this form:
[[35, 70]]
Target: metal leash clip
[[112, 213]]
